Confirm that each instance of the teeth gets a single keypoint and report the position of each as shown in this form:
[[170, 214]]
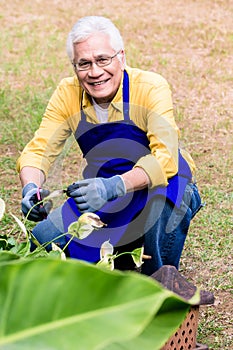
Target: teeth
[[99, 83]]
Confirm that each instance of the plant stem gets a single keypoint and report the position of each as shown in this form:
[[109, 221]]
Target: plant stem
[[68, 243]]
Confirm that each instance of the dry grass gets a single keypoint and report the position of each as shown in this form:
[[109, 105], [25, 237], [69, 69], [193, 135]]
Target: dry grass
[[191, 44]]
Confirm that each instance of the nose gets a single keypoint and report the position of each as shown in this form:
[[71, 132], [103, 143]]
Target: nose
[[95, 70]]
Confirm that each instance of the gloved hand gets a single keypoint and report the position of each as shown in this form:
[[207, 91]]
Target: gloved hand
[[91, 194], [32, 194]]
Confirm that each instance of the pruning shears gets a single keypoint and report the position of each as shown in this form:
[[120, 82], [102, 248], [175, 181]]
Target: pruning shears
[[57, 193]]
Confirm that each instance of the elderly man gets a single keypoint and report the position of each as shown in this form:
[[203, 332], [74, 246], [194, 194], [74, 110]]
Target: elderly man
[[136, 179]]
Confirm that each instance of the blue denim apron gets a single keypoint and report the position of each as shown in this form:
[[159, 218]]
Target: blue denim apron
[[111, 149]]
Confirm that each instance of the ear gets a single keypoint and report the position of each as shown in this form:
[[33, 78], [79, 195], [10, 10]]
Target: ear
[[122, 59]]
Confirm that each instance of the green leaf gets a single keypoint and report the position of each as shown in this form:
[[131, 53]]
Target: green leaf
[[3, 241], [6, 242], [161, 327], [11, 241], [22, 248], [55, 304], [137, 256], [39, 252], [7, 256], [107, 262], [80, 231]]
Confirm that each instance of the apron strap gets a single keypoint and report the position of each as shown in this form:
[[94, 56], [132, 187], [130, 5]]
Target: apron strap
[[83, 116], [125, 94]]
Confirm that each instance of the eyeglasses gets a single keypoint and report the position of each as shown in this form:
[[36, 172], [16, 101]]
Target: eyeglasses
[[101, 61]]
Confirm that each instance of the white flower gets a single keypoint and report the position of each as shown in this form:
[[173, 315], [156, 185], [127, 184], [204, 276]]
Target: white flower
[[106, 249], [85, 225], [91, 219], [106, 256], [56, 248]]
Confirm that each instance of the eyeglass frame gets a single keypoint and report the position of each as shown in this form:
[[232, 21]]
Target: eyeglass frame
[[110, 58]]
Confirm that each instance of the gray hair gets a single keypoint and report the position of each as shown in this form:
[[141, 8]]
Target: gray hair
[[86, 26]]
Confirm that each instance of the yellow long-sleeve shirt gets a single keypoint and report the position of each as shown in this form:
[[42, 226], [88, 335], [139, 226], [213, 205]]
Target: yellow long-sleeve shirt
[[151, 110]]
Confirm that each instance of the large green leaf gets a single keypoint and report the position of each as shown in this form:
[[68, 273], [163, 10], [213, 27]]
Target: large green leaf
[[164, 324], [53, 304]]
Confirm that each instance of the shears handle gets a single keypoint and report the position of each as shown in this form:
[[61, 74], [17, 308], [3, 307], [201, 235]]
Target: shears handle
[[41, 204], [71, 188]]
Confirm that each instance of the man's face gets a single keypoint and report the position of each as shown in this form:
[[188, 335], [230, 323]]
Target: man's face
[[101, 83]]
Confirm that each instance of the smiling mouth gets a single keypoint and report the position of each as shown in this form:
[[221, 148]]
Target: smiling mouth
[[99, 82]]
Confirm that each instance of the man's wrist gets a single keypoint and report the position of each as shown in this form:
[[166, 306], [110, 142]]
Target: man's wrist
[[121, 186]]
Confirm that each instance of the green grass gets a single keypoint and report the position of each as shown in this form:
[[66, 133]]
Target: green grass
[[22, 115], [193, 53]]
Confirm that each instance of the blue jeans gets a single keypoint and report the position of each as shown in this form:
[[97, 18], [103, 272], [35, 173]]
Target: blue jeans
[[51, 229], [165, 227]]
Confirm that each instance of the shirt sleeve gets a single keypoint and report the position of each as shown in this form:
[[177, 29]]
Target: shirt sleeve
[[162, 133], [52, 134]]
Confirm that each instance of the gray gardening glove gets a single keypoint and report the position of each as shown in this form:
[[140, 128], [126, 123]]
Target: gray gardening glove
[[91, 194], [32, 194]]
